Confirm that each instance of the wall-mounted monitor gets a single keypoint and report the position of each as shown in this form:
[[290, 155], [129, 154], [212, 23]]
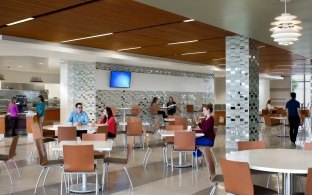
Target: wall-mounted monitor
[[120, 79]]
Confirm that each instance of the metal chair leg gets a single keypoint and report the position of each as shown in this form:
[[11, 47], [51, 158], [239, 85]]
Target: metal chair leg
[[268, 181], [96, 184], [42, 170], [62, 177], [126, 170], [171, 161], [19, 175], [45, 177], [8, 173], [32, 151], [103, 176], [148, 157], [213, 189]]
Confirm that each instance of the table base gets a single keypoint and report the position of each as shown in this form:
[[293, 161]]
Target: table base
[[184, 165], [79, 188], [288, 183], [283, 136]]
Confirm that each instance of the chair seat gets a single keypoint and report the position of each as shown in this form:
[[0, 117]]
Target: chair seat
[[99, 155], [218, 179], [115, 160], [48, 139], [259, 190], [53, 162], [4, 157]]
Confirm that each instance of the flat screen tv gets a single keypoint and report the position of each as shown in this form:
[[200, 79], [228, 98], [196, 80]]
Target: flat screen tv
[[120, 79]]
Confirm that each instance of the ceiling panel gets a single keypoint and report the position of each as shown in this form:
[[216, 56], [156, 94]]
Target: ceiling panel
[[14, 10]]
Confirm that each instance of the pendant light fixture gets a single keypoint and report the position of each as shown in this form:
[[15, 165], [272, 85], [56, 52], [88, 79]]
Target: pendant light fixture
[[285, 29]]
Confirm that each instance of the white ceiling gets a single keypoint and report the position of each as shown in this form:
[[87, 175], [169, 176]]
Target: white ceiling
[[250, 18]]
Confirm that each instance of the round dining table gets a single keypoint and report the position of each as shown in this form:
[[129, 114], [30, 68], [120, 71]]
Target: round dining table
[[288, 162]]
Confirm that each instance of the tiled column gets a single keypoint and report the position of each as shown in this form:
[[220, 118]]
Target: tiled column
[[77, 85], [242, 90]]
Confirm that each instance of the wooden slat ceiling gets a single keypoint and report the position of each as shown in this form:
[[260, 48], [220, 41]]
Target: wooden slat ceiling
[[133, 25]]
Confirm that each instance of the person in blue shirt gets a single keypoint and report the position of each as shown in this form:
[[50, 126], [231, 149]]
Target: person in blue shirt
[[40, 109], [294, 118], [78, 117]]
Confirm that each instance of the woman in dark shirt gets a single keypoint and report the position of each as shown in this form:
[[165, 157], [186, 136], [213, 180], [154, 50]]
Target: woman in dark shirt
[[171, 106], [206, 127]]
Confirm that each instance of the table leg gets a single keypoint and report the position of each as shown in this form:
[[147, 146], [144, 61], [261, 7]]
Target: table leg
[[83, 187], [181, 163], [283, 133], [288, 183], [124, 127]]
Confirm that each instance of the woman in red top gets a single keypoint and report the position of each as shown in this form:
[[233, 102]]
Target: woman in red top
[[109, 120], [206, 127]]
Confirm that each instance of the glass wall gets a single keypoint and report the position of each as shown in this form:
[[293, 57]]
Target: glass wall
[[301, 84]]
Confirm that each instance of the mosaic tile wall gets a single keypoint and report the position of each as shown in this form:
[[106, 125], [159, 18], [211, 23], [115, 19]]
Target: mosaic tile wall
[[242, 95], [127, 98], [82, 82], [148, 70]]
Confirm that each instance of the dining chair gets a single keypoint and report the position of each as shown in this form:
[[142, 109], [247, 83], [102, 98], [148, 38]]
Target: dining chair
[[308, 189], [268, 122], [238, 180], [253, 145], [115, 160], [78, 159], [181, 121], [152, 131], [4, 158], [102, 129], [184, 141], [306, 146], [135, 111], [214, 178], [135, 128], [169, 140], [67, 133], [44, 162]]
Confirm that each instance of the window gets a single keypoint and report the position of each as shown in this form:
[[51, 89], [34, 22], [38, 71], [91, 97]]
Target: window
[[301, 85]]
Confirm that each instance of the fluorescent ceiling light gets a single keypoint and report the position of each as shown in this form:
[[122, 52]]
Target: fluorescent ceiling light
[[19, 66], [182, 42], [20, 21], [270, 77], [90, 37], [192, 53], [219, 59], [287, 65], [131, 48], [189, 20]]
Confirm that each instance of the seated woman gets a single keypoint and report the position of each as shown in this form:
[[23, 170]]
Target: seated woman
[[109, 120], [205, 127], [171, 106], [160, 111], [270, 107]]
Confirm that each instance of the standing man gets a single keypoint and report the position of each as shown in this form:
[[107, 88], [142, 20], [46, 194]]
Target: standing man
[[294, 118]]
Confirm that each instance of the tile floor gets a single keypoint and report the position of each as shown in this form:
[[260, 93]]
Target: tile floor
[[155, 179]]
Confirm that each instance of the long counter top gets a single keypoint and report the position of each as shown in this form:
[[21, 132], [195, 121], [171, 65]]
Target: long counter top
[[20, 114]]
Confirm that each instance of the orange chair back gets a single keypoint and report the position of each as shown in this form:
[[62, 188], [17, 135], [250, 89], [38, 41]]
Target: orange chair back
[[237, 177], [172, 128], [36, 130], [184, 140], [154, 110], [79, 158], [190, 108], [67, 133], [135, 110], [42, 152], [250, 145], [181, 121], [102, 129], [134, 128], [94, 137], [308, 189], [307, 146], [216, 119]]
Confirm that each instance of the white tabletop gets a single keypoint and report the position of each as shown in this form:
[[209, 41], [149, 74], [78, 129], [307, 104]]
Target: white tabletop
[[98, 145], [275, 160], [79, 128], [171, 134], [124, 108], [279, 117], [125, 123], [169, 119]]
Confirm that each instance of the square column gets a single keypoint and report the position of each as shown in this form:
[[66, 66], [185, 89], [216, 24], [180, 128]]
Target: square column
[[77, 85], [242, 90]]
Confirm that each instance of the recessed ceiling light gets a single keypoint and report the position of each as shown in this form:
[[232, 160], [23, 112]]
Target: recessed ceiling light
[[20, 21], [131, 48], [193, 53], [40, 63], [218, 59], [19, 66], [182, 42], [89, 37], [261, 46], [188, 20]]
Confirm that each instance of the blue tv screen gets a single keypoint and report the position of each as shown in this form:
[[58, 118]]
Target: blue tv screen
[[120, 79]]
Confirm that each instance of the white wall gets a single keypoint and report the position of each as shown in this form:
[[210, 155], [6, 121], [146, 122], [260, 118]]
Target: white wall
[[153, 82], [220, 90], [264, 93], [54, 90], [279, 91], [24, 77]]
